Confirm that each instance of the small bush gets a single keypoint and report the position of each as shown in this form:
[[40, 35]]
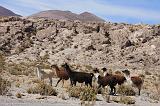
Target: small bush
[[83, 93], [126, 90], [19, 95], [155, 97], [88, 94], [42, 89], [123, 99], [147, 73], [74, 91], [17, 85], [4, 86], [127, 100], [2, 62], [36, 80]]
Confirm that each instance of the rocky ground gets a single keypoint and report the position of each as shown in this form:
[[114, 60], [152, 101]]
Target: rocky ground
[[26, 42], [21, 83], [62, 99]]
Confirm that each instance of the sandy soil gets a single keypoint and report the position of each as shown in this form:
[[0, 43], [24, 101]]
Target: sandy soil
[[38, 100]]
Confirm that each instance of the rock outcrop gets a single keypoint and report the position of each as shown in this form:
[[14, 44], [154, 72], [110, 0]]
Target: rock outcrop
[[82, 44]]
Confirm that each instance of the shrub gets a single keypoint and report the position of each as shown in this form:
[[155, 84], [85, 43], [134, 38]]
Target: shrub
[[155, 96], [74, 91], [23, 68], [147, 73], [126, 90], [123, 99], [19, 95], [88, 94], [127, 100], [42, 89], [4, 86], [2, 62], [17, 85], [83, 93]]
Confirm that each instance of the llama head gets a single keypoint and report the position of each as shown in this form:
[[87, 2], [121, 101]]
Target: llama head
[[38, 65], [95, 70], [126, 72], [54, 66], [104, 69], [91, 74], [65, 65]]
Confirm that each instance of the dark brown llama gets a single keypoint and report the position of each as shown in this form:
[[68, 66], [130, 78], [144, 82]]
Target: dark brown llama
[[78, 76]]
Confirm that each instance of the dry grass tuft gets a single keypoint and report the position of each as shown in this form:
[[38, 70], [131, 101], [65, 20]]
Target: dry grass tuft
[[88, 94], [19, 95], [17, 85], [126, 90], [42, 89], [74, 91], [123, 99], [2, 62], [127, 100], [4, 86], [83, 93]]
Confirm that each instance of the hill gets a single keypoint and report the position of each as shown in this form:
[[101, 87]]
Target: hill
[[6, 12], [67, 15]]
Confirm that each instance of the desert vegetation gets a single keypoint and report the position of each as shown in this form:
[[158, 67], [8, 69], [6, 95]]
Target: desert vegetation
[[84, 47], [42, 89], [4, 86]]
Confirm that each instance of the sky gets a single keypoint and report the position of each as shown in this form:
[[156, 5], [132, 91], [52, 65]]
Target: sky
[[128, 11]]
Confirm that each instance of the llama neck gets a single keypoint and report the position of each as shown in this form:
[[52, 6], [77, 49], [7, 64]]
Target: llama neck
[[69, 71], [57, 69], [128, 78], [104, 74], [96, 75], [38, 72]]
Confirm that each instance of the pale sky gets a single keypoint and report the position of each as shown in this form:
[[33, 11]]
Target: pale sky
[[129, 11]]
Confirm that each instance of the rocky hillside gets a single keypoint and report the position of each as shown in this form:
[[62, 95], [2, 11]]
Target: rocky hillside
[[82, 44], [6, 12], [67, 15]]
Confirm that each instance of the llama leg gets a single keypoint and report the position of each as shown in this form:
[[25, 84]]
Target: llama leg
[[86, 83], [58, 82], [71, 82], [111, 92], [42, 79], [139, 91], [50, 79], [74, 82], [114, 90], [90, 84], [62, 82], [99, 86]]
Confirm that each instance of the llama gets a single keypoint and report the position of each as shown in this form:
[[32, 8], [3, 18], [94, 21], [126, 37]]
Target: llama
[[108, 80], [45, 73], [136, 81], [119, 76], [78, 76], [61, 74], [111, 80]]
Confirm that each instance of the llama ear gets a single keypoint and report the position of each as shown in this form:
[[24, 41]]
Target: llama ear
[[92, 74], [37, 64]]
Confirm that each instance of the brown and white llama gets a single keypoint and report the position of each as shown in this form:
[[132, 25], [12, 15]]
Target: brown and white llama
[[136, 81]]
